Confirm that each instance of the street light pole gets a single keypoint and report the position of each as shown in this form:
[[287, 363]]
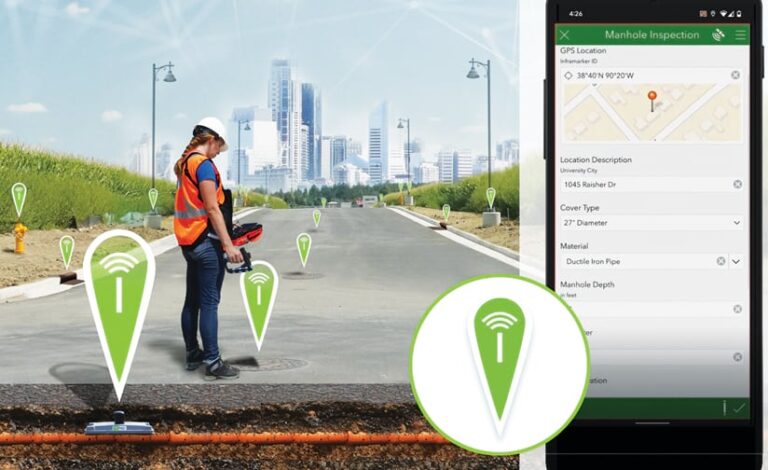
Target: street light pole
[[473, 74], [239, 125], [408, 152], [488, 75], [239, 156], [169, 78], [407, 122], [154, 82]]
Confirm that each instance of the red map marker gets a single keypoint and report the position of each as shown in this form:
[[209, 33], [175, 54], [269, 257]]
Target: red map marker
[[652, 96]]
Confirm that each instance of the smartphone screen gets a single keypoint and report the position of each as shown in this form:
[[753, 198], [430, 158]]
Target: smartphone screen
[[651, 204]]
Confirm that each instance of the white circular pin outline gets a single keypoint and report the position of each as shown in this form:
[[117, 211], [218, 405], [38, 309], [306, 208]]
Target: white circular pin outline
[[419, 399]]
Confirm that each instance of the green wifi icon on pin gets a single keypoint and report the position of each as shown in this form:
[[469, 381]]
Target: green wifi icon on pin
[[259, 290], [490, 194], [304, 244], [153, 193], [67, 248], [316, 217], [119, 270], [19, 194], [500, 334], [446, 211], [323, 202]]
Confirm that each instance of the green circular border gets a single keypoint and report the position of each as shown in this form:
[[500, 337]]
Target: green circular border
[[469, 281]]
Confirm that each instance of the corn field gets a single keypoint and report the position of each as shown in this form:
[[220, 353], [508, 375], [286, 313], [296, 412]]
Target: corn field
[[61, 188]]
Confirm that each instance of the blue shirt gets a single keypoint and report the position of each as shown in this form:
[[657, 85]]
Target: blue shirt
[[206, 172]]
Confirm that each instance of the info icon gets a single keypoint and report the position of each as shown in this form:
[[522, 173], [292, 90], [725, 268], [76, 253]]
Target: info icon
[[499, 364]]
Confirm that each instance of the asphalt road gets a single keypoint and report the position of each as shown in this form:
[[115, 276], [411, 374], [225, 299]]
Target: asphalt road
[[376, 274]]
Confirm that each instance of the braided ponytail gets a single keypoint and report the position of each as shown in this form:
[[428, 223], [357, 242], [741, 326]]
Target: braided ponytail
[[200, 138]]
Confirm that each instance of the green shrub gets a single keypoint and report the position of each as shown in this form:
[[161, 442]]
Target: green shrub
[[254, 199], [61, 187], [468, 195]]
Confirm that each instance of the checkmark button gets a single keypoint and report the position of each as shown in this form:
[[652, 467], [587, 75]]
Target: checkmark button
[[740, 408]]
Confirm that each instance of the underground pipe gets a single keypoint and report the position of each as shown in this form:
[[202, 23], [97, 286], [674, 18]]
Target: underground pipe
[[267, 438]]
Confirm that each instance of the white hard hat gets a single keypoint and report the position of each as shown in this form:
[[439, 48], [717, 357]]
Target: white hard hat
[[217, 127]]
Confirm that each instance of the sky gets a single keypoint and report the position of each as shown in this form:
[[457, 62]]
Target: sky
[[77, 76]]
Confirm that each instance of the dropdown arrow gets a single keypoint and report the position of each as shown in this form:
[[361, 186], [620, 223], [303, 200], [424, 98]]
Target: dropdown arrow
[[737, 222], [736, 261]]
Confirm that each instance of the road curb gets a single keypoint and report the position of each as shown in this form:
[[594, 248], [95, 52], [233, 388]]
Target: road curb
[[52, 285], [473, 238]]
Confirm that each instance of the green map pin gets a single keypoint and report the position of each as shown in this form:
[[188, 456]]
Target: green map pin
[[400, 186], [381, 197], [19, 193], [499, 334], [304, 244], [119, 273], [67, 247], [323, 202], [259, 289], [446, 211], [490, 194], [153, 198], [316, 216], [410, 185]]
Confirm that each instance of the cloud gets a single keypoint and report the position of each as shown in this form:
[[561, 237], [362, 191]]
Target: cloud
[[435, 119], [111, 115], [74, 10], [180, 116], [5, 132], [27, 108]]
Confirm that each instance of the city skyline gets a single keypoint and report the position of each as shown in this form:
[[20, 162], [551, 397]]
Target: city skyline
[[265, 148], [97, 102]]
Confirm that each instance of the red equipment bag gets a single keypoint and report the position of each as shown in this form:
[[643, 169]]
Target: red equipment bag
[[246, 233]]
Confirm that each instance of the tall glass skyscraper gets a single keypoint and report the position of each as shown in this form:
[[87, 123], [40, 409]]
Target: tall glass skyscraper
[[280, 102], [338, 150], [311, 116], [285, 103], [378, 143]]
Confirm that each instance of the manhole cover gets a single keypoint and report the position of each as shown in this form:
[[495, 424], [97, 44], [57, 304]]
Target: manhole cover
[[252, 364], [301, 276]]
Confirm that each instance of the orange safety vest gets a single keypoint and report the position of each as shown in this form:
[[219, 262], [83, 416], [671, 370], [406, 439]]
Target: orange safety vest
[[191, 218]]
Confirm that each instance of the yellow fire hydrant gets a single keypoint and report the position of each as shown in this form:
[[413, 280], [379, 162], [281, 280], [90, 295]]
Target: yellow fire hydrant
[[19, 230]]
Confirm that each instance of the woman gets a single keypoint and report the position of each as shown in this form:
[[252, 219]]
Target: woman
[[201, 230]]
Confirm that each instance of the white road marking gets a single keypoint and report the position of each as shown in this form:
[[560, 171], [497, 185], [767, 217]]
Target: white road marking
[[471, 245]]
